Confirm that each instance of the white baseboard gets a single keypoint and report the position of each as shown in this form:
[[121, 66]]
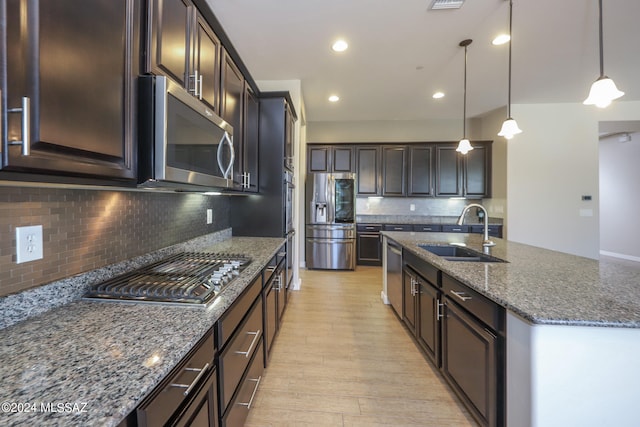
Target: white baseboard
[[620, 256], [384, 298]]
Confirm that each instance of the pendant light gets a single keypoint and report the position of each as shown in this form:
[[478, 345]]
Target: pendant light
[[603, 90], [464, 146], [509, 127]]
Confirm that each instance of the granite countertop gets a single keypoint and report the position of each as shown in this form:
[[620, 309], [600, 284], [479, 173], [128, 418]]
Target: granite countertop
[[420, 219], [540, 285], [105, 357]]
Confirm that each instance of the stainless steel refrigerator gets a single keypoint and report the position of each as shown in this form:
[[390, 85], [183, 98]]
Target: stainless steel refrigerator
[[330, 241]]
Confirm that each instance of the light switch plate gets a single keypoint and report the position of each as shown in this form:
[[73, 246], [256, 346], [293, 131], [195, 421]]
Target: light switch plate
[[209, 216], [28, 243]]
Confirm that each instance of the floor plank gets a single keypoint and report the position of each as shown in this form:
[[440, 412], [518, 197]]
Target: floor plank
[[342, 358]]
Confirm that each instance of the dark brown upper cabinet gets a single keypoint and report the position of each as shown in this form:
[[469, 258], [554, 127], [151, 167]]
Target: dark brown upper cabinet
[[67, 79], [420, 171], [251, 141], [467, 175], [368, 171], [327, 158], [232, 111], [477, 171], [448, 171], [393, 171], [182, 46]]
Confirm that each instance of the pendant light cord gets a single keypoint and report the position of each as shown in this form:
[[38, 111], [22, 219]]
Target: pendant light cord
[[600, 31], [464, 104], [510, 43]]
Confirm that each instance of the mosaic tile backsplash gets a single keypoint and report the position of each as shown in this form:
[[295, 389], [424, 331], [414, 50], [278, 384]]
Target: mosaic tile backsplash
[[87, 229], [402, 206]]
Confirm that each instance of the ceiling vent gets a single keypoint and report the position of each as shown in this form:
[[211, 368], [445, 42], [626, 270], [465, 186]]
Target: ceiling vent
[[446, 4]]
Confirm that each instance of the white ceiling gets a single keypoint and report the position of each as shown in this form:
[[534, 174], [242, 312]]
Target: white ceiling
[[400, 53]]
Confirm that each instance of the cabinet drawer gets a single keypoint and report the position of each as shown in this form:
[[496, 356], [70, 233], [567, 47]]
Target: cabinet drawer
[[240, 307], [179, 386], [426, 270], [236, 356], [369, 228], [428, 228], [398, 227], [480, 306], [451, 228], [242, 403]]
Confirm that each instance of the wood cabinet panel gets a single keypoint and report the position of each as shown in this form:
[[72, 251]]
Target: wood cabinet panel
[[420, 171], [448, 171], [368, 171], [231, 110], [393, 171], [342, 159], [79, 80]]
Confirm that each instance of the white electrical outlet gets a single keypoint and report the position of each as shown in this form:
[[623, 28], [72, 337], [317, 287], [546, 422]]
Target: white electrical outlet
[[412, 207], [28, 243], [209, 216]]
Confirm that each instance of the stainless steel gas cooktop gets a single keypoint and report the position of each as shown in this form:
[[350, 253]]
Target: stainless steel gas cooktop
[[189, 278]]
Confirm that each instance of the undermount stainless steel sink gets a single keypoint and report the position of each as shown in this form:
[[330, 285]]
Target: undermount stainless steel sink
[[459, 253]]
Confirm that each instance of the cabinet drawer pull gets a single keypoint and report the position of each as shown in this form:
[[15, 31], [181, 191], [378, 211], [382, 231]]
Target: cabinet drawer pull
[[25, 109], [397, 228], [370, 228], [256, 335], [189, 387], [255, 389], [462, 295], [439, 306]]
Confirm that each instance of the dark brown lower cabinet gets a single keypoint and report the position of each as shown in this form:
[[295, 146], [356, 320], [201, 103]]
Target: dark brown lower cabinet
[[469, 362], [409, 292], [369, 244], [239, 407], [430, 312], [473, 337], [461, 332], [203, 410]]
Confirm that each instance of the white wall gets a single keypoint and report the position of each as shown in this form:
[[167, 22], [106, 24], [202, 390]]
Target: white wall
[[619, 198], [550, 166], [389, 131]]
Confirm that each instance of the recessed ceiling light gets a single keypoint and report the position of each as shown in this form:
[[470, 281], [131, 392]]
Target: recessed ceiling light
[[340, 46], [501, 39], [438, 95], [334, 98]]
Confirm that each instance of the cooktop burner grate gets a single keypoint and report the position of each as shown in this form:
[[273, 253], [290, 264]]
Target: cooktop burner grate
[[184, 278]]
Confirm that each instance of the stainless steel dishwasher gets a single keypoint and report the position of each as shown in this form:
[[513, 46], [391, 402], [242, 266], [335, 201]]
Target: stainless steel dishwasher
[[394, 276]]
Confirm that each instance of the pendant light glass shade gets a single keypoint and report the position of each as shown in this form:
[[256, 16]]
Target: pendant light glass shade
[[603, 90], [509, 127], [464, 146]]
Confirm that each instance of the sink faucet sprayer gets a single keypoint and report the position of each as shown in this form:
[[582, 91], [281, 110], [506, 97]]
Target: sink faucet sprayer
[[486, 243]]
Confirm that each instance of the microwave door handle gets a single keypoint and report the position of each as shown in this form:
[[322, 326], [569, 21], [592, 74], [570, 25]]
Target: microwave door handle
[[228, 170]]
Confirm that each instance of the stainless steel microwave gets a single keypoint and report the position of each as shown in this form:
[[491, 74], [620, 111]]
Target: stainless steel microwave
[[183, 144]]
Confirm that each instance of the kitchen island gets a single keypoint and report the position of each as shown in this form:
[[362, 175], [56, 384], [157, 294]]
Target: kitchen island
[[572, 329], [91, 363]]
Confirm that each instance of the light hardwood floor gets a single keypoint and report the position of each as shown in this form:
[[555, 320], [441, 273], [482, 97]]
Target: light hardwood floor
[[342, 358]]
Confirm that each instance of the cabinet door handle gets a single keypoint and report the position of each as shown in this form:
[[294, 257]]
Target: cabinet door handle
[[256, 335], [200, 88], [462, 295], [257, 381], [439, 307], [25, 109], [189, 387]]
